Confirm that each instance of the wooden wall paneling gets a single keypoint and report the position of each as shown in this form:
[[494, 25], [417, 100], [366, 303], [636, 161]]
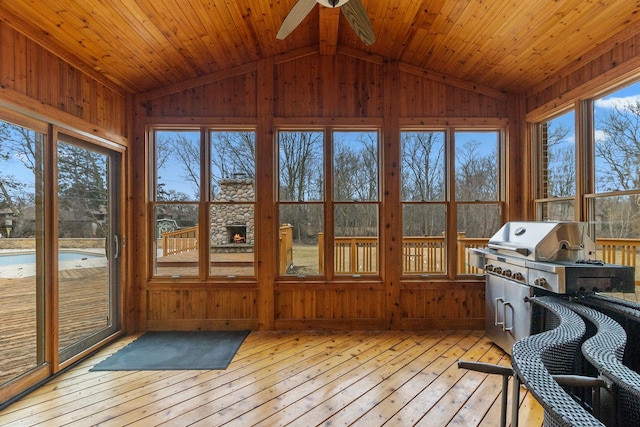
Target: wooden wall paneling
[[30, 70], [196, 304], [283, 301], [337, 307], [360, 87], [298, 86], [20, 64], [442, 306], [231, 97], [330, 87], [425, 94], [7, 70], [292, 93]]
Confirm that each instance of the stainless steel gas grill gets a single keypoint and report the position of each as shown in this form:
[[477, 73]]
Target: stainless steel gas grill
[[536, 258]]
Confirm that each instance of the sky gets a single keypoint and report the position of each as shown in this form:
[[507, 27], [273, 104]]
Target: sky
[[601, 106]]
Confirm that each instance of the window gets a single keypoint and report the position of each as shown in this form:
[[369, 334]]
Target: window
[[301, 195], [556, 186], [21, 242], [355, 196], [594, 178], [349, 208], [478, 190], [475, 195], [424, 208], [613, 208], [182, 193], [231, 209]]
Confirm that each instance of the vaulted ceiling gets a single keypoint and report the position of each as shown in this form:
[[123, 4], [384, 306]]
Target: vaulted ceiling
[[141, 45]]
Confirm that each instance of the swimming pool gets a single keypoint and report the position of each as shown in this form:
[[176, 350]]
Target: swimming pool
[[30, 257]]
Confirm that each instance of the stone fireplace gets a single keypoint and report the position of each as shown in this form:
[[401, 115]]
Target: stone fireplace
[[232, 223]]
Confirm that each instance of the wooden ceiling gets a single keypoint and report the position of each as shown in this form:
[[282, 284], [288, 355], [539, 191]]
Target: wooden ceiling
[[141, 45]]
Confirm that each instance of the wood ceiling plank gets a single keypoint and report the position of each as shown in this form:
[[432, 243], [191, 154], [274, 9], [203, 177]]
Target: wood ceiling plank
[[185, 28], [257, 17], [146, 44], [109, 42], [580, 28], [396, 25]]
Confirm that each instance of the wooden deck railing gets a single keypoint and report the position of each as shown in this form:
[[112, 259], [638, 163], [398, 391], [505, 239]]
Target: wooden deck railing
[[420, 254], [426, 255], [180, 241], [618, 251], [286, 247], [186, 240]]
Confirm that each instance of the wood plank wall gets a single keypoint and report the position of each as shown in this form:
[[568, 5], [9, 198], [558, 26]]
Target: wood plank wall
[[319, 90], [28, 72]]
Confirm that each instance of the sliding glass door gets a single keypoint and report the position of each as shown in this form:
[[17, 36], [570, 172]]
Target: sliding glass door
[[88, 245], [22, 336]]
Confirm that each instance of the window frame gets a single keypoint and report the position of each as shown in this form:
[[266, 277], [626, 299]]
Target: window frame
[[203, 204], [327, 256], [456, 245]]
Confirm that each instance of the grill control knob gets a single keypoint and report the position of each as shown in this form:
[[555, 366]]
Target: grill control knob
[[518, 276], [497, 270], [541, 282], [488, 267], [506, 273]]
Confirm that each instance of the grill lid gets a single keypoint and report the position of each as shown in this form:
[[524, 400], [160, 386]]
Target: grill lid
[[544, 241]]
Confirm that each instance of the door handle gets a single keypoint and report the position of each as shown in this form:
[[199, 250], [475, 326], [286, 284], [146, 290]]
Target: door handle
[[504, 316], [116, 242], [495, 312]]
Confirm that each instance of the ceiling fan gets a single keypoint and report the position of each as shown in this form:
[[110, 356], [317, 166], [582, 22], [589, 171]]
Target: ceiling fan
[[352, 10]]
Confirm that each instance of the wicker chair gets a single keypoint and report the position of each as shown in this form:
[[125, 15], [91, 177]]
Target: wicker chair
[[536, 358], [603, 349], [615, 369]]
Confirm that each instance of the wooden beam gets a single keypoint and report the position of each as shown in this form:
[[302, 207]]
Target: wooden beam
[[266, 243], [329, 23]]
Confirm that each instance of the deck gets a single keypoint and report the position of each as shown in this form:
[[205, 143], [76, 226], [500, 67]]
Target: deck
[[83, 308], [223, 264]]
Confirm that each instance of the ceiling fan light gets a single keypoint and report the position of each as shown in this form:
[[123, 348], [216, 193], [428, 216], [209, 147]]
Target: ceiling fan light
[[332, 3]]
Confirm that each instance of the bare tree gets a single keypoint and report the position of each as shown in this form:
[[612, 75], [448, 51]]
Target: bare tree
[[476, 173], [21, 152], [561, 163], [301, 178], [355, 174], [177, 154], [618, 169], [423, 166], [82, 190], [301, 161], [423, 173], [233, 154], [477, 181], [619, 149]]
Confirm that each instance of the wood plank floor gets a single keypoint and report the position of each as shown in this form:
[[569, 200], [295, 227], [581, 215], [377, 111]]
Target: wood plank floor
[[302, 378]]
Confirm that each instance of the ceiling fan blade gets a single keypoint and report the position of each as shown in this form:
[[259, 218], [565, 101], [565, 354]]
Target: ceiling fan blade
[[296, 15], [357, 17]]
